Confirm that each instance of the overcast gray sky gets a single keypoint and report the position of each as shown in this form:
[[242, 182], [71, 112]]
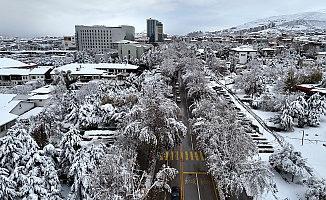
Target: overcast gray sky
[[29, 18]]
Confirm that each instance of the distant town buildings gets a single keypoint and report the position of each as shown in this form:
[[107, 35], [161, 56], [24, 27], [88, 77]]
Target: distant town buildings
[[102, 38], [13, 72], [154, 30]]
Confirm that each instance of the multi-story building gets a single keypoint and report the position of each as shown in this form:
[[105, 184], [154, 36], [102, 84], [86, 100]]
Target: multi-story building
[[131, 49], [69, 43], [102, 38], [154, 30]]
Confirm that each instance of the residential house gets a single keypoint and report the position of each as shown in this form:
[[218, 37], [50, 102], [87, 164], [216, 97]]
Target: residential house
[[88, 72], [243, 53], [10, 109], [40, 73], [41, 96]]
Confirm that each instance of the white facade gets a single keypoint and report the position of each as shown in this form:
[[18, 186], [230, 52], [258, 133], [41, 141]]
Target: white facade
[[130, 49], [101, 38], [244, 53]]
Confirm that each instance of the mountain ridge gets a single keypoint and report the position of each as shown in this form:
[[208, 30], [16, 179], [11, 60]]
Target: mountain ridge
[[295, 22]]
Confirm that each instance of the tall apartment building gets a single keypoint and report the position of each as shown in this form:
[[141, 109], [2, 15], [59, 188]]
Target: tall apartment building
[[102, 38], [154, 30]]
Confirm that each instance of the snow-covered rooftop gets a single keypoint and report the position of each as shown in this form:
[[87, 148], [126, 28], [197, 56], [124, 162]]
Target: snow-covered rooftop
[[8, 63], [6, 117], [14, 71], [79, 69], [268, 49], [40, 70], [95, 69], [5, 99], [10, 105], [33, 112], [40, 97], [244, 48], [115, 66], [43, 90]]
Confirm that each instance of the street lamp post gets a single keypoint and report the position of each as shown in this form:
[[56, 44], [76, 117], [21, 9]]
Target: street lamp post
[[302, 137]]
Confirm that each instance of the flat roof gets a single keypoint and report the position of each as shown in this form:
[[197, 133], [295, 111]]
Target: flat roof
[[97, 69]]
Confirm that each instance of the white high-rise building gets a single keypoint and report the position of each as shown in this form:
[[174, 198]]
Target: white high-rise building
[[102, 38]]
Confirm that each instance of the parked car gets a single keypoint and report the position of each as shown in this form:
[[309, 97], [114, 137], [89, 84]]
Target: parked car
[[175, 193], [178, 99]]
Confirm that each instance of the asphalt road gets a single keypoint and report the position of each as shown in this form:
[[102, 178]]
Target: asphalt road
[[193, 181]]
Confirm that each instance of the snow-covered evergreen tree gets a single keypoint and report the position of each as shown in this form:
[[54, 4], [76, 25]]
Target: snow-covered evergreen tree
[[84, 163], [286, 121], [69, 145], [7, 185], [32, 172]]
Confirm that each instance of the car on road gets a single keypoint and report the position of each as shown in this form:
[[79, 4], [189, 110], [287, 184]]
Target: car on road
[[175, 193]]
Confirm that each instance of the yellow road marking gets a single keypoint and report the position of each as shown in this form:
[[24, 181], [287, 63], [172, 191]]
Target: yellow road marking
[[171, 155], [201, 156], [191, 156], [196, 155], [176, 156], [166, 155], [181, 175], [186, 154], [214, 188]]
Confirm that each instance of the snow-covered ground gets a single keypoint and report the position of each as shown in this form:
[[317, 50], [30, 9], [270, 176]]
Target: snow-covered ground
[[313, 150]]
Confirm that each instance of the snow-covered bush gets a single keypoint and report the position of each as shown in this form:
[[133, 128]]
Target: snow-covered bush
[[288, 160], [316, 188]]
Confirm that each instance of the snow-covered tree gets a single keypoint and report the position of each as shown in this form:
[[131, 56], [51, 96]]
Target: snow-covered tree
[[32, 172], [84, 163], [252, 81], [228, 148], [316, 188], [7, 185], [69, 145], [163, 176], [153, 121], [290, 161], [116, 177]]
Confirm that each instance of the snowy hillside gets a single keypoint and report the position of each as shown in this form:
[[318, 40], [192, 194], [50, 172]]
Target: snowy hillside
[[301, 21]]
